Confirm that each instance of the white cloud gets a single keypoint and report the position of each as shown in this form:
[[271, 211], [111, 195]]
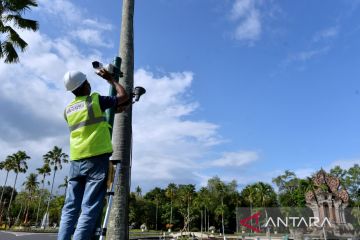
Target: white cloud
[[241, 8], [249, 24], [328, 33], [235, 159], [91, 37], [167, 143], [305, 56], [68, 12], [250, 28], [320, 46], [88, 30], [169, 146]]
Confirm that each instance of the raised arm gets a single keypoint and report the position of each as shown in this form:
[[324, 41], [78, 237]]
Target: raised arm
[[121, 95]]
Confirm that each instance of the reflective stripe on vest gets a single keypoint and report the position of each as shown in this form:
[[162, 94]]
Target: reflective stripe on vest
[[89, 131], [91, 117]]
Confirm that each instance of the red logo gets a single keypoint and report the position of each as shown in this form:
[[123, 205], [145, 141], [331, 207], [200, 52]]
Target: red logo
[[244, 221]]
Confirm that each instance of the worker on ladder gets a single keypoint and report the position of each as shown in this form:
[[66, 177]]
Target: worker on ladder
[[90, 150]]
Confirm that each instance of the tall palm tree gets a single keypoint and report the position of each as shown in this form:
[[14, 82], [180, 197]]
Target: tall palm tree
[[170, 193], [122, 133], [7, 165], [249, 196], [11, 16], [203, 202], [31, 185], [265, 194], [64, 185], [54, 158], [157, 201], [44, 171], [19, 161], [221, 191]]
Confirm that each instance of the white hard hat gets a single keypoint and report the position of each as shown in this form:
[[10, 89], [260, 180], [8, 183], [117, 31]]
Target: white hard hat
[[73, 80]]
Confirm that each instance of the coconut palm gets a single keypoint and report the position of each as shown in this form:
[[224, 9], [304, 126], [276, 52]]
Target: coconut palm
[[170, 193], [21, 199], [122, 134], [64, 185], [248, 194], [54, 158], [203, 202], [31, 185], [20, 166], [11, 18], [7, 165], [265, 195], [221, 190], [44, 171]]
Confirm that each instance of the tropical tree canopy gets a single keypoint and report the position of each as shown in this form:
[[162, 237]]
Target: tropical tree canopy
[[11, 19], [31, 184]]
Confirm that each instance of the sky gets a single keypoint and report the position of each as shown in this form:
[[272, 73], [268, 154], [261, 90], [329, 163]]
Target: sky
[[240, 89]]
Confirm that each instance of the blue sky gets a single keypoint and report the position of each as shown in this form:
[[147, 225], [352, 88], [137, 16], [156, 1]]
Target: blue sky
[[242, 89]]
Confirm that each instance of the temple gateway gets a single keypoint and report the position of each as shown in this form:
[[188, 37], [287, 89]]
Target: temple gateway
[[328, 199]]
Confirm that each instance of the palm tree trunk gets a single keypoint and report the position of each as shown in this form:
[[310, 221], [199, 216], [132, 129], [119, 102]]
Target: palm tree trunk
[[40, 198], [251, 214], [48, 204], [1, 198], [204, 221], [188, 215], [171, 213], [208, 221], [222, 218], [201, 220], [18, 216], [122, 132], [237, 217], [27, 212], [11, 198], [156, 217], [3, 189]]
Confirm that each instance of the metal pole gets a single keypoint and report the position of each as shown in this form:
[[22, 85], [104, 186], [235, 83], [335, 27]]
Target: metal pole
[[110, 113], [111, 196]]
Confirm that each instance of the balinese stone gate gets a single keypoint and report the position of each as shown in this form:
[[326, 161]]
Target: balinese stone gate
[[328, 200]]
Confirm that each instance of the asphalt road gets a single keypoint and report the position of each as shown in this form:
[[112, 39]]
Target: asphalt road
[[26, 236]]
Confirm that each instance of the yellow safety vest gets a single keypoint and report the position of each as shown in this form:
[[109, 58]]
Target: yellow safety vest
[[89, 131]]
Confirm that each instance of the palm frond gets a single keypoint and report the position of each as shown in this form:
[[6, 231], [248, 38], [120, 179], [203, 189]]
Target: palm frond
[[9, 52], [23, 23], [18, 5], [15, 39], [1, 51]]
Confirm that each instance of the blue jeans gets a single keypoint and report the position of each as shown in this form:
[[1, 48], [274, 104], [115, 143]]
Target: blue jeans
[[86, 192]]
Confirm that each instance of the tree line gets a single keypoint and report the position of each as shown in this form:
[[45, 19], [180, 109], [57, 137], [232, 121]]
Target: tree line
[[179, 207], [183, 208], [34, 201]]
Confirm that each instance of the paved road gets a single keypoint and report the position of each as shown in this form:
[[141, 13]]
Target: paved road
[[26, 236]]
